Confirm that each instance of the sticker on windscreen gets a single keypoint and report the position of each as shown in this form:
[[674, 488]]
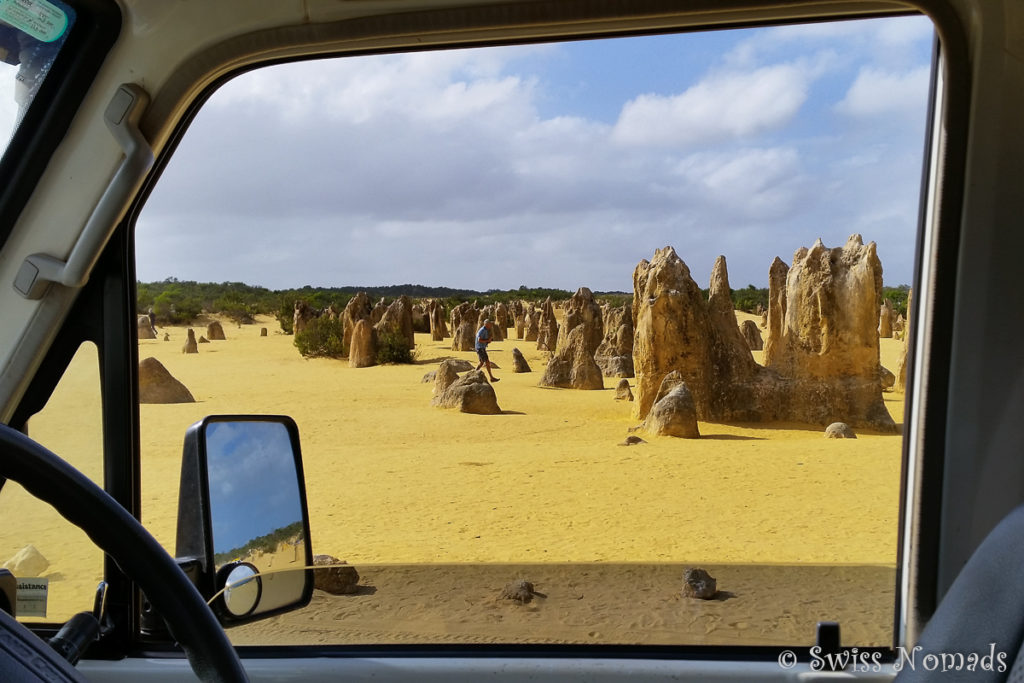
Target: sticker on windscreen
[[42, 20], [31, 597]]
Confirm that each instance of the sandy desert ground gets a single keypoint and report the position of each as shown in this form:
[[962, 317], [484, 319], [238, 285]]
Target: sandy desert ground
[[439, 510]]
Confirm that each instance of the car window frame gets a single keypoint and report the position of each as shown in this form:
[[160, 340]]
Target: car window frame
[[119, 297], [47, 119], [917, 560]]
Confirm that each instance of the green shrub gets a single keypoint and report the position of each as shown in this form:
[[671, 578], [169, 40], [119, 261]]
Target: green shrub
[[393, 348], [285, 315], [237, 310], [321, 338]]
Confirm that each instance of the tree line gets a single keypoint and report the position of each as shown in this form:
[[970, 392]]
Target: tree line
[[180, 302]]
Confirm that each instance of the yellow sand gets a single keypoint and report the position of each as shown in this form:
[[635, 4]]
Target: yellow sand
[[391, 479]]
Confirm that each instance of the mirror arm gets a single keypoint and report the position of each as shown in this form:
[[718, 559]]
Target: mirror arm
[[152, 623]]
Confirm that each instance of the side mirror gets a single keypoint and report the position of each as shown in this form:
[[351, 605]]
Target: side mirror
[[243, 525]]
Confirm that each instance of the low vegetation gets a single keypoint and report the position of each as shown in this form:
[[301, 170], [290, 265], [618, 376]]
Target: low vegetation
[[180, 302], [322, 338]]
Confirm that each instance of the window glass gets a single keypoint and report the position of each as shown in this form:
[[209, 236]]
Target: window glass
[[504, 180], [36, 543], [31, 34]]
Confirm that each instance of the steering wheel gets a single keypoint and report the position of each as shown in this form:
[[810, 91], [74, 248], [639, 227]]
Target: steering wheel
[[136, 552]]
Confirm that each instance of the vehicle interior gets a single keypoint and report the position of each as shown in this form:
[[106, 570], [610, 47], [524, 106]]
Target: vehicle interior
[[169, 164]]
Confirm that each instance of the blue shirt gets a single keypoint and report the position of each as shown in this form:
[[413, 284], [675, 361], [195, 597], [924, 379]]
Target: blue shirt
[[483, 335]]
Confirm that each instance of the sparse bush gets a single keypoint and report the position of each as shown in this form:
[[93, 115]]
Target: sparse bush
[[393, 348], [285, 315], [237, 310], [321, 338]]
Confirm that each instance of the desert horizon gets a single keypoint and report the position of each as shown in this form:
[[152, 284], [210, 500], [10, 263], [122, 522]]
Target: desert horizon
[[394, 484]]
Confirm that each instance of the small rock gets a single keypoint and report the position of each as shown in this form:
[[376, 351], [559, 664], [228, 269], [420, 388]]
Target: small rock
[[632, 441], [519, 590], [190, 343], [886, 377], [623, 392], [839, 430], [203, 340], [336, 578], [263, 332], [519, 363], [429, 377], [697, 583], [157, 385], [215, 331], [167, 337], [27, 562]]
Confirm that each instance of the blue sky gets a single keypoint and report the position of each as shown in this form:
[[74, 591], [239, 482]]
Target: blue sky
[[559, 165], [253, 483]]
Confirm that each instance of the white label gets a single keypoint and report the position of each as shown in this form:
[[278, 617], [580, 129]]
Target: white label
[[31, 600], [40, 19]]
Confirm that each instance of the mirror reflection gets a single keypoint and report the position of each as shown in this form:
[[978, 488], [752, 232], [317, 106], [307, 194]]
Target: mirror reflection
[[242, 589], [255, 507]]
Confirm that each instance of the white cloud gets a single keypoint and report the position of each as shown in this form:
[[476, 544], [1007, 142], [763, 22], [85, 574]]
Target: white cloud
[[413, 168], [753, 183], [8, 107], [877, 92], [723, 107]]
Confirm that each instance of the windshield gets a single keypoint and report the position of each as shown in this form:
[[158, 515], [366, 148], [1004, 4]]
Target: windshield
[[650, 207], [31, 34]]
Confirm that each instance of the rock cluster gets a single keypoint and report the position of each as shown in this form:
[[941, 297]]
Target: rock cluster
[[583, 311], [420, 319], [396, 322], [471, 393], [358, 308], [827, 346], [573, 366], [377, 312], [822, 352], [677, 330], [531, 324], [615, 352], [303, 313], [547, 328], [464, 326], [438, 326], [752, 335]]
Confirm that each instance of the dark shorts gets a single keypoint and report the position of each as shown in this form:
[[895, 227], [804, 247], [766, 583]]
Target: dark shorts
[[482, 355]]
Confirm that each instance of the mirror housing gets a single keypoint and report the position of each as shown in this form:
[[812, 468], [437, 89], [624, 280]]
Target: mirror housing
[[241, 507]]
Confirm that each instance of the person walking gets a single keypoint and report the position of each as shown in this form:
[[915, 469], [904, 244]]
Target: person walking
[[483, 338]]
